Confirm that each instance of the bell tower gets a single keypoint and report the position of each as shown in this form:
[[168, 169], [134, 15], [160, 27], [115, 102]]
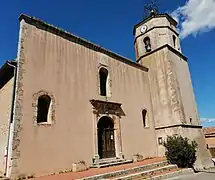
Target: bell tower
[[157, 47], [154, 32]]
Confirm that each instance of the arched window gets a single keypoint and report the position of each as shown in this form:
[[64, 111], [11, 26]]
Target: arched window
[[145, 118], [43, 108], [147, 44], [174, 41], [103, 76]]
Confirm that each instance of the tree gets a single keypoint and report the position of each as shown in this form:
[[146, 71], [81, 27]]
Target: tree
[[180, 151]]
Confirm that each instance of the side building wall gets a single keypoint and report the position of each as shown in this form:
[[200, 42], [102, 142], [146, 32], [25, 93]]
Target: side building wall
[[5, 110], [210, 140]]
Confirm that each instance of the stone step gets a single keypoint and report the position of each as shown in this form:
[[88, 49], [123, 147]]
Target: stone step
[[111, 163], [171, 175], [127, 171], [115, 163], [2, 177], [109, 160], [148, 173]]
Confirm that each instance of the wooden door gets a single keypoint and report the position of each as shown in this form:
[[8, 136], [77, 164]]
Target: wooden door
[[106, 141]]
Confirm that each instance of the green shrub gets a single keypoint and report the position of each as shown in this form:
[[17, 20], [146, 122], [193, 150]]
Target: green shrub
[[180, 151]]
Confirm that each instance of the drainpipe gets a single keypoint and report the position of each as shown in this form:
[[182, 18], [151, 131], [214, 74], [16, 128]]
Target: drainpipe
[[9, 63]]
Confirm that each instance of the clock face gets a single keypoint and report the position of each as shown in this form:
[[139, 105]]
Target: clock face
[[143, 29]]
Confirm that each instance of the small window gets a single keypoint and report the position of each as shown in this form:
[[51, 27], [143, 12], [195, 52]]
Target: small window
[[43, 108], [145, 118], [174, 41], [147, 44], [103, 76]]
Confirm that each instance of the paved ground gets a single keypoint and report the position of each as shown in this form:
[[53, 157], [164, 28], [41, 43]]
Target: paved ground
[[95, 171], [197, 176]]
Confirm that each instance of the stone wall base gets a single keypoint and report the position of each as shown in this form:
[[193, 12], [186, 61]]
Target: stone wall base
[[204, 158], [78, 167]]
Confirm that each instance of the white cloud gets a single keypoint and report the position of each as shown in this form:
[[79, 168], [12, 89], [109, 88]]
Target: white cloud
[[196, 16], [207, 120]]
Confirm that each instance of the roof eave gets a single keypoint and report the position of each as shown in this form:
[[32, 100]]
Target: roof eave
[[65, 34], [162, 47], [7, 72]]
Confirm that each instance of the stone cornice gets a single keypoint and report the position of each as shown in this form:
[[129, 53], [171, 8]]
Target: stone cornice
[[179, 125], [71, 37], [156, 27], [162, 47], [107, 107]]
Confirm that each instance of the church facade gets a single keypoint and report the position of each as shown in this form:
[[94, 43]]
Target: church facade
[[65, 100]]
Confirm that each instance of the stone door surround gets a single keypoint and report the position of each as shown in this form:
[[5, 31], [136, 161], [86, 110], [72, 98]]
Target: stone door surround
[[114, 111]]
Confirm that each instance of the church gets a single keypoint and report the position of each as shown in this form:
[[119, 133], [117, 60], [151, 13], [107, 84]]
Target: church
[[65, 100]]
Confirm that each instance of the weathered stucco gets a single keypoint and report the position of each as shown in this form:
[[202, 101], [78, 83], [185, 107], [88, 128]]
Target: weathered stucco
[[165, 100], [5, 110], [160, 31], [69, 71], [172, 96], [180, 67]]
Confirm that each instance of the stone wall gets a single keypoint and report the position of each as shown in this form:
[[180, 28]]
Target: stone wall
[[204, 159], [69, 71], [166, 102], [181, 71], [173, 101], [193, 133]]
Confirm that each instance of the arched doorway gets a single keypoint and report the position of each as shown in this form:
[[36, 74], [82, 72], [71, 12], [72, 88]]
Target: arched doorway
[[106, 140]]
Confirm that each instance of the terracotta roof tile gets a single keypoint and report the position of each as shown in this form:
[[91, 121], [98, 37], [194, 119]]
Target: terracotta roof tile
[[209, 130]]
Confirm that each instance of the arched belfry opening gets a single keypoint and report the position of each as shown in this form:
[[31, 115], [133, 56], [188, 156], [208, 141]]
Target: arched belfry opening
[[174, 41], [147, 43], [106, 139], [103, 76]]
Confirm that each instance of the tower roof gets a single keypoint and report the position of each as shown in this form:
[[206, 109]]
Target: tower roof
[[173, 21]]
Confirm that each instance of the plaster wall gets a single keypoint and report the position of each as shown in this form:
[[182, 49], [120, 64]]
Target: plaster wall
[[68, 71], [164, 95], [181, 69]]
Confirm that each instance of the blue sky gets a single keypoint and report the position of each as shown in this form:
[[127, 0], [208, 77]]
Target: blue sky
[[110, 24]]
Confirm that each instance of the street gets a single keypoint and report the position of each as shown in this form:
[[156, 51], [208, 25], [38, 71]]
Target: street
[[198, 176]]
